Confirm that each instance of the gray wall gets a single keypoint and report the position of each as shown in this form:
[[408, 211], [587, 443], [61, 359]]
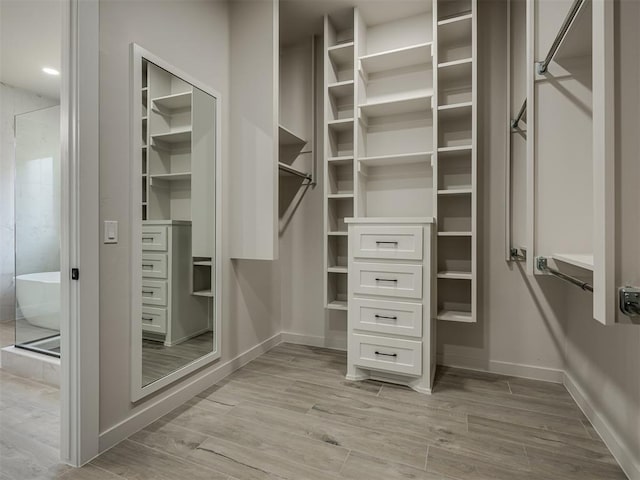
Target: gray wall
[[193, 36]]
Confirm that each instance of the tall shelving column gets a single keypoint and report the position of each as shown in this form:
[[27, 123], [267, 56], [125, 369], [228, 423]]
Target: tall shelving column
[[339, 138], [455, 157]]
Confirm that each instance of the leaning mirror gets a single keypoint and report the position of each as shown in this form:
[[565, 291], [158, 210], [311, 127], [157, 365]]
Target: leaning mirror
[[175, 268]]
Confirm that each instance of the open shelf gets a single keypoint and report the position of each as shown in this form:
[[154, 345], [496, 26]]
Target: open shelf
[[335, 233], [338, 305], [287, 138], [172, 177], [458, 148], [397, 107], [342, 89], [204, 293], [342, 53], [453, 275], [339, 161], [341, 125], [397, 58], [455, 108], [464, 16], [203, 263], [578, 260], [340, 195], [455, 316], [337, 270], [454, 234], [400, 159], [455, 191], [179, 136], [177, 101], [456, 64]]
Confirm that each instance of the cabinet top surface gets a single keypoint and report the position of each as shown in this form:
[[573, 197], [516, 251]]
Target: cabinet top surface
[[395, 220]]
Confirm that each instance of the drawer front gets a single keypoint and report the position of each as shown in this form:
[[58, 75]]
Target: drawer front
[[403, 281], [395, 243], [154, 265], [154, 293], [154, 320], [388, 354], [154, 238], [396, 318]]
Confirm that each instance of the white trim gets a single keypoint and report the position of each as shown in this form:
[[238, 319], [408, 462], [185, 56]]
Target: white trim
[[79, 324], [336, 343], [161, 406], [534, 372], [138, 391], [619, 449]]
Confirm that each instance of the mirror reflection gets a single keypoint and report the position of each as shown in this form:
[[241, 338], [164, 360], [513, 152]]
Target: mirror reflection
[[177, 152]]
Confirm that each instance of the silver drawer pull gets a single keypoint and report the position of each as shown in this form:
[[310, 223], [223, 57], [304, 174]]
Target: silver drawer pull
[[147, 319], [381, 242], [386, 317], [147, 292], [387, 280], [386, 354], [147, 265]]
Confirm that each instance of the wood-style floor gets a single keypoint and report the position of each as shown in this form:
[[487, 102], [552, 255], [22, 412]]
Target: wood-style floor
[[290, 414]]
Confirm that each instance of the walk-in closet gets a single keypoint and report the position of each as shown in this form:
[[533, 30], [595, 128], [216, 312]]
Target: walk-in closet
[[327, 240]]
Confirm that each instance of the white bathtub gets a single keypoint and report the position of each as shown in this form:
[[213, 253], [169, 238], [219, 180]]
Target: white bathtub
[[38, 296]]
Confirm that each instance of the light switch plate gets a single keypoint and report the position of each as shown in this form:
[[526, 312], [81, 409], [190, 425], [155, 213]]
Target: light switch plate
[[110, 231]]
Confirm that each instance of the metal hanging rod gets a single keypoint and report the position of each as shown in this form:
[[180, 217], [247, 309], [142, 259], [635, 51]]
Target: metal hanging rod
[[566, 25], [295, 172], [516, 120], [542, 265]]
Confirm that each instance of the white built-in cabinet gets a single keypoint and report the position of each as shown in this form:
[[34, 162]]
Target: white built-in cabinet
[[400, 139], [567, 131]]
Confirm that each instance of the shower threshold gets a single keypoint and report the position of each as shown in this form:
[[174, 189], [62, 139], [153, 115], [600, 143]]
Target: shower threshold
[[46, 346]]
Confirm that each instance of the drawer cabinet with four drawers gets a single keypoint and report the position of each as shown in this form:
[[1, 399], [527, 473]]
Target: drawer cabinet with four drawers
[[391, 335]]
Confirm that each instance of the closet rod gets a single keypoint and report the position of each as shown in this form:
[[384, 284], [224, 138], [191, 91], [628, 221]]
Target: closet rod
[[566, 25], [542, 265], [295, 172], [516, 120]]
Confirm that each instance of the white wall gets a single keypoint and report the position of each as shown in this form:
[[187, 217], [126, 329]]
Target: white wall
[[13, 101], [603, 362], [194, 36]]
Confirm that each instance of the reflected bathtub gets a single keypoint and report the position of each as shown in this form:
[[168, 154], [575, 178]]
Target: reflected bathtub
[[38, 297]]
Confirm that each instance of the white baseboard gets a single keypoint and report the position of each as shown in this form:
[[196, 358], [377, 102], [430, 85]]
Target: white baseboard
[[160, 407], [313, 341], [502, 368], [621, 451]]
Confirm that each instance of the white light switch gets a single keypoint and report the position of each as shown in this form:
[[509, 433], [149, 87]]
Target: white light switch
[[110, 231]]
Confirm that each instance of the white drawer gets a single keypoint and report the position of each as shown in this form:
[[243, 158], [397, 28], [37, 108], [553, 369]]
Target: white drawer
[[391, 280], [388, 354], [154, 293], [154, 265], [154, 320], [396, 318], [154, 238], [388, 242]]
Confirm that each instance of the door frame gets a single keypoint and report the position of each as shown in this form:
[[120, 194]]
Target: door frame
[[79, 325]]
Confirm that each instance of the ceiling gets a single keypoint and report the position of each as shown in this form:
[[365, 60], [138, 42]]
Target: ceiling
[[30, 39], [301, 18]]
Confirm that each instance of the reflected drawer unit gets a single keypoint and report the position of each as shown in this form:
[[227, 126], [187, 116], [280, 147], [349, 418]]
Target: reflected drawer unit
[[170, 311], [391, 335]]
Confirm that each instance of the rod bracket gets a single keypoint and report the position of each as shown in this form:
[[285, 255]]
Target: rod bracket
[[541, 69], [541, 264]]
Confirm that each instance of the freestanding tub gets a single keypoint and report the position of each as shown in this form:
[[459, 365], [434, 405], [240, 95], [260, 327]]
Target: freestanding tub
[[38, 296]]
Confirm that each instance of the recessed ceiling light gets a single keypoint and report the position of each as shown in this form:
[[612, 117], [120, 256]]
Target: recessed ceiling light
[[50, 71]]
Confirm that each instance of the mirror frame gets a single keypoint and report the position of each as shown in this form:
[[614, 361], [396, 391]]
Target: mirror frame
[[139, 391]]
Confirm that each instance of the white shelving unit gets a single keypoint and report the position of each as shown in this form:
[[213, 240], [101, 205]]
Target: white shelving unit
[[339, 165], [455, 158]]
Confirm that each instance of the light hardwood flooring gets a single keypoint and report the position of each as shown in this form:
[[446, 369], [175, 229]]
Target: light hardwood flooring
[[159, 360], [290, 414]]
